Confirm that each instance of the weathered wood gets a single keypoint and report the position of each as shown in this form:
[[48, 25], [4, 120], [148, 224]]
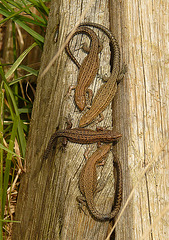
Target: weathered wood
[[47, 206], [141, 112]]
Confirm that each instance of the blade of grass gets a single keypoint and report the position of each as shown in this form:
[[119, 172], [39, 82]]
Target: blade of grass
[[8, 162], [14, 14], [24, 100], [1, 153], [23, 25], [40, 21], [26, 8], [24, 110], [35, 3], [12, 221], [7, 6], [20, 79], [14, 111], [9, 151], [29, 12], [34, 21], [44, 18], [37, 20], [14, 3], [44, 7], [9, 93], [22, 139], [15, 87], [19, 60], [29, 69], [2, 7]]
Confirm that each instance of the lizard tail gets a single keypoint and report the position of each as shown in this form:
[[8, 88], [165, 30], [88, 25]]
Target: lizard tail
[[46, 153], [50, 145], [118, 198]]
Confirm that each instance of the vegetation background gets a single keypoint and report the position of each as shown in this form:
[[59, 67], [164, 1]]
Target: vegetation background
[[23, 24]]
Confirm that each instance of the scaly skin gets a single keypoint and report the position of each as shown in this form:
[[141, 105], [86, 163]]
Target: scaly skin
[[88, 68], [88, 183], [107, 91], [83, 136]]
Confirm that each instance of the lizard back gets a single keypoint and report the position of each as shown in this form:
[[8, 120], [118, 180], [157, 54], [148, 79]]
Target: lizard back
[[82, 136], [88, 183], [107, 91], [87, 136], [89, 66]]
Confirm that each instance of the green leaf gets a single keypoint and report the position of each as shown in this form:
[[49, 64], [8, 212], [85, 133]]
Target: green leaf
[[20, 79], [1, 153], [10, 16], [29, 69], [9, 151], [7, 5], [44, 7], [9, 92], [23, 25], [12, 221], [14, 3], [19, 60], [24, 110], [8, 162]]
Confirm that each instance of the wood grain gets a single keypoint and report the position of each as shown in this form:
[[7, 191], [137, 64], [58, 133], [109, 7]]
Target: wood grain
[[141, 111], [47, 206]]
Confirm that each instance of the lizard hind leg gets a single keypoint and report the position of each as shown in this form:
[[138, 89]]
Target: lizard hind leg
[[85, 47], [87, 153], [122, 73], [103, 77], [81, 202], [90, 96], [100, 186]]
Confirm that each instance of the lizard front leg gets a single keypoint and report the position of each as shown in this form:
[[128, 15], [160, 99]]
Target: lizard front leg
[[69, 126]]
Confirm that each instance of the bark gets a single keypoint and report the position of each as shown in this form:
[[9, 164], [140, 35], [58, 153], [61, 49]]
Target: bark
[[47, 206], [141, 113]]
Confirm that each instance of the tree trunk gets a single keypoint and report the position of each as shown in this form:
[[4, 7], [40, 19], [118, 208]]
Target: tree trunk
[[47, 206]]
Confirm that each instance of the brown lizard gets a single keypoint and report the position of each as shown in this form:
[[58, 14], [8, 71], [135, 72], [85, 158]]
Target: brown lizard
[[82, 136], [88, 182], [89, 67], [107, 91]]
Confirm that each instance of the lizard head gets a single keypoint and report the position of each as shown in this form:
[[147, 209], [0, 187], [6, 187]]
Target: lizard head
[[112, 136], [80, 102]]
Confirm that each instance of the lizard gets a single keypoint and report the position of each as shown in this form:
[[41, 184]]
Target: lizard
[[82, 136], [89, 67], [88, 182], [107, 91]]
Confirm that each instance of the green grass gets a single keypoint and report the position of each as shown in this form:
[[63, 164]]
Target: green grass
[[13, 127]]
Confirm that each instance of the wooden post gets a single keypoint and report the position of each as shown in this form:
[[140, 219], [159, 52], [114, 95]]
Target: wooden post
[[141, 111], [47, 206]]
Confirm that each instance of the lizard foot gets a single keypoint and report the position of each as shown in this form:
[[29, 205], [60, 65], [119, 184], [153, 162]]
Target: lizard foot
[[122, 73], [81, 202]]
